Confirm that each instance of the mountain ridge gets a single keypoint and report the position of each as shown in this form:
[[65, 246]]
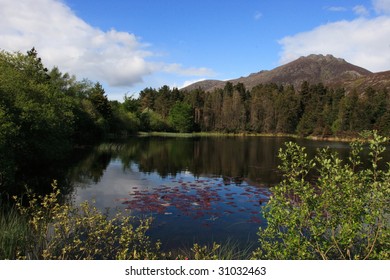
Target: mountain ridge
[[314, 68]]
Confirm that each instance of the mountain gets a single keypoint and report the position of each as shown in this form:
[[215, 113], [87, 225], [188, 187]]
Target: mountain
[[329, 70]]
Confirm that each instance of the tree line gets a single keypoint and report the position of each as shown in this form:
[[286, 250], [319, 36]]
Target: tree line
[[313, 109]]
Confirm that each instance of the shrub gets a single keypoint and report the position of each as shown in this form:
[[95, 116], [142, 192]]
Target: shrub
[[343, 213], [227, 250], [63, 231]]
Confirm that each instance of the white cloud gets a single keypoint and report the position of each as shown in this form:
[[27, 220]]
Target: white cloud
[[64, 40], [382, 6], [364, 42], [360, 10]]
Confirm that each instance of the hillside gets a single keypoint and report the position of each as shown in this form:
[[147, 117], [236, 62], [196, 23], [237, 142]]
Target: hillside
[[327, 69]]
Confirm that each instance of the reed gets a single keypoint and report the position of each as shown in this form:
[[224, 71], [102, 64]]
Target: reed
[[14, 232], [227, 250]]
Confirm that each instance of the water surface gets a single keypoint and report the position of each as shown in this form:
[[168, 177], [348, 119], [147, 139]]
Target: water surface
[[197, 189]]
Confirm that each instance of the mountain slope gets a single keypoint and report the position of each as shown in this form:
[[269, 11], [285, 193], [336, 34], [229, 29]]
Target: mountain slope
[[376, 80], [313, 68]]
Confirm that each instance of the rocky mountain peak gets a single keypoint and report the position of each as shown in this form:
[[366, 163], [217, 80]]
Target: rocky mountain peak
[[314, 68]]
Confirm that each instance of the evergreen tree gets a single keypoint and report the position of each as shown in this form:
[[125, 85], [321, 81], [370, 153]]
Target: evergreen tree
[[100, 101], [181, 117]]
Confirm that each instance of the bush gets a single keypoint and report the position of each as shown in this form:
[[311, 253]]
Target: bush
[[63, 231], [228, 250], [343, 213]]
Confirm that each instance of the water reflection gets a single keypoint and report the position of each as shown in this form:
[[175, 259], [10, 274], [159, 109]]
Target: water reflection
[[197, 189], [241, 158]]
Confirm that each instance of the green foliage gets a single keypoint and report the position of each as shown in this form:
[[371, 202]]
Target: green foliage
[[204, 252], [313, 110], [181, 117], [100, 102], [152, 121], [131, 104], [14, 233], [45, 114], [8, 133], [63, 231], [127, 122], [36, 117], [228, 250], [198, 252], [341, 214]]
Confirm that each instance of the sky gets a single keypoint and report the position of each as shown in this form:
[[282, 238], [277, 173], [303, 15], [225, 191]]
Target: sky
[[128, 45]]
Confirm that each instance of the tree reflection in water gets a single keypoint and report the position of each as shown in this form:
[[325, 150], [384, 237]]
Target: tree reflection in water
[[195, 188]]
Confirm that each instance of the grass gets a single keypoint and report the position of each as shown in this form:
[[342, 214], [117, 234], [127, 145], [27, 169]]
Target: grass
[[228, 250], [248, 134], [14, 232], [212, 134]]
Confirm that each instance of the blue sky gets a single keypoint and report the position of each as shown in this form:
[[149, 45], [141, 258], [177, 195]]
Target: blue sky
[[130, 45]]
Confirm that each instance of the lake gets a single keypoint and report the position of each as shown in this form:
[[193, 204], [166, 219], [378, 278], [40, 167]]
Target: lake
[[200, 189]]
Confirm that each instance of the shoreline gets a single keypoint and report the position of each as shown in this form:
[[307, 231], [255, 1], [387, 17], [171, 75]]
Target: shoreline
[[243, 134]]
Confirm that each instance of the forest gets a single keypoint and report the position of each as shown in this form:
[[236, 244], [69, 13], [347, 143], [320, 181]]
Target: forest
[[311, 110], [46, 114]]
